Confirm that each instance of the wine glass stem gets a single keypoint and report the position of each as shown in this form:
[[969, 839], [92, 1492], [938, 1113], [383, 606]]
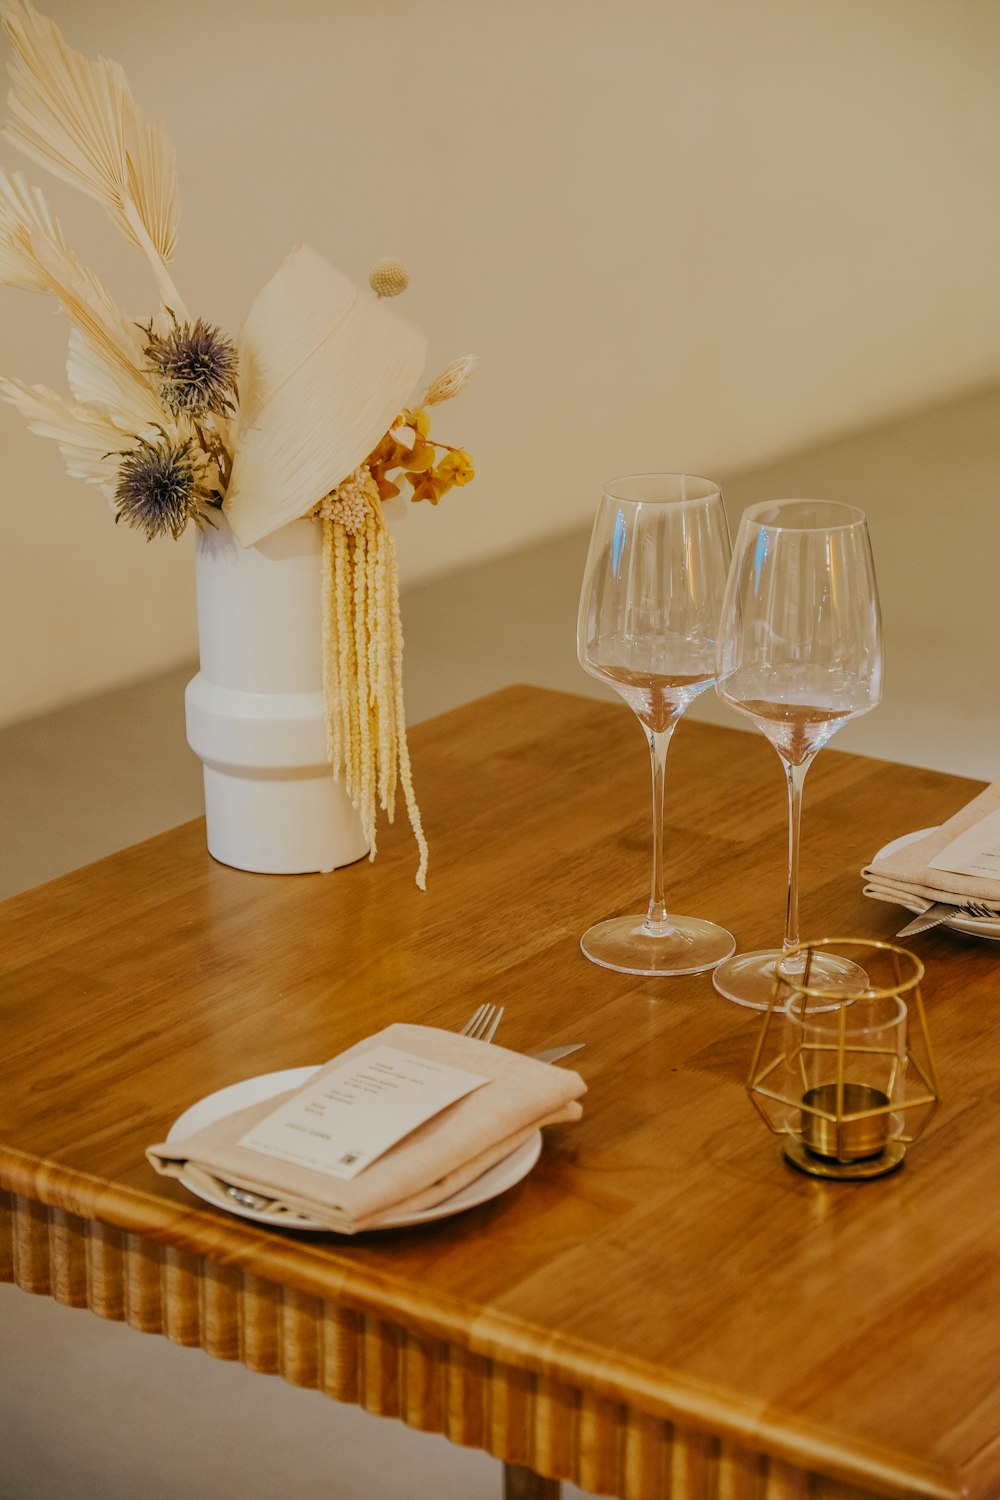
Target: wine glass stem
[[659, 742], [796, 775]]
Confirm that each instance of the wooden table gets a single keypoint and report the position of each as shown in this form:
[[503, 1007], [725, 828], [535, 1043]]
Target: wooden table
[[663, 1307]]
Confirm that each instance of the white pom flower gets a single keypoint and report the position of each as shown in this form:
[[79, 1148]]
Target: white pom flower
[[388, 277]]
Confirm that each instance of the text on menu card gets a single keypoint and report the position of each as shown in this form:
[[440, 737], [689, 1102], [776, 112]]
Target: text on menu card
[[974, 852], [356, 1112]]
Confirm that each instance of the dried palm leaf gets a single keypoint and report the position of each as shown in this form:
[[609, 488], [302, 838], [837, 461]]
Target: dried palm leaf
[[107, 364], [23, 213], [90, 305], [324, 368], [88, 440], [78, 118], [97, 379], [153, 189]]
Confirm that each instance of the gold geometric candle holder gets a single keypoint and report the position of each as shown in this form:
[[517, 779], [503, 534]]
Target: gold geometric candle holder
[[847, 1076]]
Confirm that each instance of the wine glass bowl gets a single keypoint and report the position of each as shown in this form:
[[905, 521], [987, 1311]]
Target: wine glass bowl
[[648, 627], [800, 654]]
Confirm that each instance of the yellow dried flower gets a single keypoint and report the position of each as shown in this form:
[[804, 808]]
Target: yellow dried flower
[[388, 277], [427, 487], [456, 467], [409, 449], [420, 457]]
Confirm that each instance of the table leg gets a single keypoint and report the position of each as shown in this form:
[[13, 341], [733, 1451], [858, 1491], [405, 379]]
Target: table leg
[[525, 1484]]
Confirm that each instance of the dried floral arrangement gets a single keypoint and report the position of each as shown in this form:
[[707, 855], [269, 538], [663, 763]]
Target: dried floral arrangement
[[175, 422]]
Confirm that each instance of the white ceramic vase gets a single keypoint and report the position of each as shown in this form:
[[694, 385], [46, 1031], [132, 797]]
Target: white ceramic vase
[[255, 710]]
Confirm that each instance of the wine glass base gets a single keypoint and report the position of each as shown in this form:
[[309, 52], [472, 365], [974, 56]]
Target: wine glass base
[[688, 946], [748, 978]]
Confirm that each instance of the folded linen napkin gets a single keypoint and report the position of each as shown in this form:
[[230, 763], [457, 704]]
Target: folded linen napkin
[[906, 879], [434, 1161]]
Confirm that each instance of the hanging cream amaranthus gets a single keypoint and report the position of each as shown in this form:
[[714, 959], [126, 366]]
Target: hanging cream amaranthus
[[362, 630], [303, 415]]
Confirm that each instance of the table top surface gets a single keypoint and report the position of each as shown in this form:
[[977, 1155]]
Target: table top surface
[[661, 1251]]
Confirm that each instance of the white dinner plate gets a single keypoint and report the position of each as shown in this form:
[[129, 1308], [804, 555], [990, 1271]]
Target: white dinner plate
[[981, 927], [503, 1175]]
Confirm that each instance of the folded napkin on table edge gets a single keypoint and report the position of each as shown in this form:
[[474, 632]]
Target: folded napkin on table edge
[[905, 879], [434, 1161]]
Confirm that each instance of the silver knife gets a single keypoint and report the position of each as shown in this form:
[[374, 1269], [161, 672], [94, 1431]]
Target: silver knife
[[932, 917], [553, 1054]]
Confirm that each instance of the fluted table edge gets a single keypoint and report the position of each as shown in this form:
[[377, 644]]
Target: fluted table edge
[[547, 1404]]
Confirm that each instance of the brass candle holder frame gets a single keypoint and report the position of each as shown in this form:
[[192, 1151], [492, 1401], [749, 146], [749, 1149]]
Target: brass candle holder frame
[[845, 1128]]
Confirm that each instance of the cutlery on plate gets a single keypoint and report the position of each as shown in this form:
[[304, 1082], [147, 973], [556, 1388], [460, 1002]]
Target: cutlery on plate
[[483, 1023], [939, 912], [942, 910], [246, 1199], [553, 1054]]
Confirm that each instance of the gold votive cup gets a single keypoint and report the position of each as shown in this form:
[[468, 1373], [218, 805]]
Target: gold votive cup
[[858, 1132]]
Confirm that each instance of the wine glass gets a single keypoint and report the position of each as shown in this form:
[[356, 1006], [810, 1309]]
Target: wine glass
[[648, 625], [800, 653]]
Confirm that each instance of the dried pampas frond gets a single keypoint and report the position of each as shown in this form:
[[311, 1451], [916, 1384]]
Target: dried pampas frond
[[324, 368], [77, 117], [451, 380], [88, 440]]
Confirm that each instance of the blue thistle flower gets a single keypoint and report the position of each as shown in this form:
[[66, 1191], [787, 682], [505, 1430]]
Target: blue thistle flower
[[158, 488], [195, 368]]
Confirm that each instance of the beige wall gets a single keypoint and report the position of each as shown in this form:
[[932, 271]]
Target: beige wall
[[686, 234]]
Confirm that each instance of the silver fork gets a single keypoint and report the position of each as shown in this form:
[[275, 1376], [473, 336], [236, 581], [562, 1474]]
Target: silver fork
[[483, 1023]]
